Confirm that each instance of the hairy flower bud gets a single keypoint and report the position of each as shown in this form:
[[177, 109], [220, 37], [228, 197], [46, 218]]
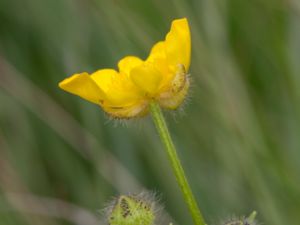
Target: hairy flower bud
[[242, 221], [132, 210]]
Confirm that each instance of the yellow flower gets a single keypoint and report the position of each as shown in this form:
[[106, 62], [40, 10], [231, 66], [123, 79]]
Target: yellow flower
[[126, 93]]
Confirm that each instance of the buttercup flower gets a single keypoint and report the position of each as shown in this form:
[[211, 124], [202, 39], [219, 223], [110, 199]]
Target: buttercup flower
[[126, 93]]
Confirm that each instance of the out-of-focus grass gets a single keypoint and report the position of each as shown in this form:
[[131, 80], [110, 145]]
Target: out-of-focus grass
[[238, 136]]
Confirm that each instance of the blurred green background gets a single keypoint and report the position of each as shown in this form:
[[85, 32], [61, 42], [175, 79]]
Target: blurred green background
[[62, 159]]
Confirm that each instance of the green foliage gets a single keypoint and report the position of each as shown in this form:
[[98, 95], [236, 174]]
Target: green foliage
[[238, 137]]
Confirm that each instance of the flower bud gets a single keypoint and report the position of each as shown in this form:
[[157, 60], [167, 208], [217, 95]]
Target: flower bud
[[243, 220], [234, 222], [132, 210]]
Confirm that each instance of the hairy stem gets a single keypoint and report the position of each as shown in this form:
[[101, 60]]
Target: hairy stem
[[164, 134]]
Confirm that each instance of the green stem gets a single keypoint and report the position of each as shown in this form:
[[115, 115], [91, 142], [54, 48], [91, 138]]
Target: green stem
[[164, 134]]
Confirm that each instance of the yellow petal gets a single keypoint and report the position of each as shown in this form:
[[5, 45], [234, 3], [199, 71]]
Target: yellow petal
[[157, 58], [128, 63], [119, 89], [157, 52], [83, 86], [120, 98], [147, 78], [104, 77], [178, 44]]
